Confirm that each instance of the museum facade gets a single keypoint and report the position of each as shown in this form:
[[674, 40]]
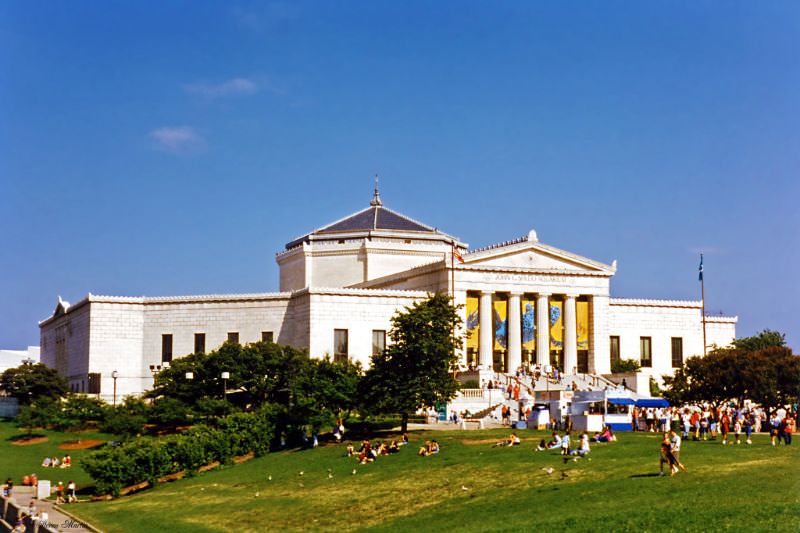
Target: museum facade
[[522, 301]]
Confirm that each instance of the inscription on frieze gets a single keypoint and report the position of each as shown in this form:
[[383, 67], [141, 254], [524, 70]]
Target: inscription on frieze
[[536, 278]]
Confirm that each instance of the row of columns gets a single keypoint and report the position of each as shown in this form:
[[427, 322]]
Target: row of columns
[[486, 335]]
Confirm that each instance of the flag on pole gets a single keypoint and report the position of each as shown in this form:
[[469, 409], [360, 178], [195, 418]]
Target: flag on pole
[[457, 254], [700, 269]]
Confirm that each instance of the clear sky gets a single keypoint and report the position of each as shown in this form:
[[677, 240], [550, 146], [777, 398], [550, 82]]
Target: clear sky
[[166, 148]]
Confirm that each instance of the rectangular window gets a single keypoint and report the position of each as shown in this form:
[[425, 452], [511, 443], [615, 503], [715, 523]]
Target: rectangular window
[[614, 350], [233, 336], [340, 345], [266, 336], [378, 341], [166, 347], [677, 352], [94, 383], [646, 351], [199, 343]]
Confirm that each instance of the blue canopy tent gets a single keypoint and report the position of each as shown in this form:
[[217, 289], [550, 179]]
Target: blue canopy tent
[[621, 401], [652, 402]]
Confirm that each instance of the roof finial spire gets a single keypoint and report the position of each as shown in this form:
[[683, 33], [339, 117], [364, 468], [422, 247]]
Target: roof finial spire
[[376, 198]]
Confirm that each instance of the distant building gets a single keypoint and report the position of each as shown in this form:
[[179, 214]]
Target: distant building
[[14, 358], [522, 301]]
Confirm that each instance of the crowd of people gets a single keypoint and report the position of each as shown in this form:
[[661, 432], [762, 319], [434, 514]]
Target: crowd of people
[[369, 451], [730, 423]]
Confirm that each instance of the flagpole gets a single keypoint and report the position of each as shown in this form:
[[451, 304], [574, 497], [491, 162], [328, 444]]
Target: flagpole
[[453, 272], [703, 302]]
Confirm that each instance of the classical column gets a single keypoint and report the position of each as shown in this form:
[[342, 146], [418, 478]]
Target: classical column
[[486, 336], [543, 329], [514, 332], [570, 336], [599, 347]]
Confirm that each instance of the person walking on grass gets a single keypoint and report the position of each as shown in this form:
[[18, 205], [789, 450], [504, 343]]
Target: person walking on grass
[[675, 449], [665, 456], [565, 444]]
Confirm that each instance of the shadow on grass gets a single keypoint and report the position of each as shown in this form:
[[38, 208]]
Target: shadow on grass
[[644, 475], [26, 437]]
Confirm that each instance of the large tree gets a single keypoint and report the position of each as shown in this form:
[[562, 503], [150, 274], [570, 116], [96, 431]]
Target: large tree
[[760, 368], [30, 382], [416, 370]]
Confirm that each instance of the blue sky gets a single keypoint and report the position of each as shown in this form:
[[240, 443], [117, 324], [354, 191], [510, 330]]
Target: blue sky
[[173, 147]]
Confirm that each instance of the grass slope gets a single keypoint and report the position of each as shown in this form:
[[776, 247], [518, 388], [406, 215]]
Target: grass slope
[[19, 461], [744, 488]]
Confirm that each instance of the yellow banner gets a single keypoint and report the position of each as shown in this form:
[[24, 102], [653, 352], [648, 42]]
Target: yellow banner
[[528, 325], [473, 323], [556, 325], [582, 312], [500, 324]]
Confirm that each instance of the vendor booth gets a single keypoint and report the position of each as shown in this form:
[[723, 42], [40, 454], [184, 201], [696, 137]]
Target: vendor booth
[[593, 410]]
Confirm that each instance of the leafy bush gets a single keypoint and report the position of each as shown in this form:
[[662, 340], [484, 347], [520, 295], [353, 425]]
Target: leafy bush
[[625, 366], [120, 422], [147, 459]]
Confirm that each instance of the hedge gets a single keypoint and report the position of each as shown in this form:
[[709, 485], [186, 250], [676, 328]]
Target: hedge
[[147, 459]]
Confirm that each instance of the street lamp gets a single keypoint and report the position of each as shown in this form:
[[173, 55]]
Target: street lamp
[[114, 376], [225, 377]]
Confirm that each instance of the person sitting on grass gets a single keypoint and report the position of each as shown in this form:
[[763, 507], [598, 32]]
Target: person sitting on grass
[[55, 463], [583, 445], [46, 462], [606, 436], [66, 462], [394, 447], [351, 451], [404, 440], [512, 440], [430, 448]]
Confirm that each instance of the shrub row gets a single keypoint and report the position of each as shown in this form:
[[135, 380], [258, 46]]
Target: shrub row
[[147, 459]]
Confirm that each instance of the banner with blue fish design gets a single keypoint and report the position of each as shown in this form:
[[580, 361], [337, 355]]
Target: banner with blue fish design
[[500, 307], [582, 312], [473, 323], [556, 325], [528, 324]]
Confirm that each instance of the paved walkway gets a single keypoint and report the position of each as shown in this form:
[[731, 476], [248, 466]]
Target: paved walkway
[[58, 520]]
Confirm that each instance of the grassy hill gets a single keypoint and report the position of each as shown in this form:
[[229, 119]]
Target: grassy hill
[[471, 486]]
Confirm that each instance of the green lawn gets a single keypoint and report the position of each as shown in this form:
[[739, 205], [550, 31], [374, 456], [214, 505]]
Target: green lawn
[[18, 461], [744, 488]]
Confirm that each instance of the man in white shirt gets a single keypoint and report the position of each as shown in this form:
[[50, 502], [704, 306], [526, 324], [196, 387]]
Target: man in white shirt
[[675, 448]]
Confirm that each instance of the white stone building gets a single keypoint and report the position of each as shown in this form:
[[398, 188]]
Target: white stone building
[[341, 284]]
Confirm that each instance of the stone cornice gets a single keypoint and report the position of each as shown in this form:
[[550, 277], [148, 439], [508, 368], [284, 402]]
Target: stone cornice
[[717, 319], [526, 270], [642, 302], [355, 291]]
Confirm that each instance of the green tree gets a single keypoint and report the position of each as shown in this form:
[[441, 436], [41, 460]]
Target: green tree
[[624, 366], [41, 414], [415, 371], [759, 368], [325, 392], [766, 339], [28, 383]]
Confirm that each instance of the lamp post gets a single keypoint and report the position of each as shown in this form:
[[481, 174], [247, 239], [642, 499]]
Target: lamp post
[[114, 376], [225, 376]]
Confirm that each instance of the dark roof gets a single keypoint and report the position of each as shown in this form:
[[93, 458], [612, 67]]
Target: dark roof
[[375, 217]]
